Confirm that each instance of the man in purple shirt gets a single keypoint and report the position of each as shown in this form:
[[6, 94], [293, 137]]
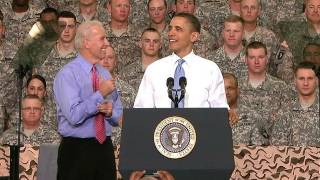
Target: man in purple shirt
[[82, 154]]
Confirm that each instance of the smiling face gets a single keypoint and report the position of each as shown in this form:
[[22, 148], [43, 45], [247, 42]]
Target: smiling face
[[96, 44], [181, 36]]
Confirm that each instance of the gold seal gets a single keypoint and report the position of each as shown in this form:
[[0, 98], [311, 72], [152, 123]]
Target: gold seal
[[174, 137]]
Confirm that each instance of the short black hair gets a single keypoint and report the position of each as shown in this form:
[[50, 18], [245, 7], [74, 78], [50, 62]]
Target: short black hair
[[256, 45], [39, 77], [67, 14], [306, 65], [196, 26], [307, 45], [49, 10], [150, 29], [175, 1], [164, 1]]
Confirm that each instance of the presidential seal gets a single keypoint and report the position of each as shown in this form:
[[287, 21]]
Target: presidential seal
[[174, 137]]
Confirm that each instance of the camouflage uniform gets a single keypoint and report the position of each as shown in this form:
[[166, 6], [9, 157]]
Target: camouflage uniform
[[288, 9], [246, 130], [17, 29], [62, 4], [127, 95], [101, 14], [216, 21], [48, 69], [298, 127], [8, 91], [133, 74], [264, 100], [1, 52], [235, 66], [202, 47], [298, 34], [48, 119], [275, 54], [125, 46], [126, 92], [284, 65], [218, 15], [204, 10], [42, 135], [139, 13]]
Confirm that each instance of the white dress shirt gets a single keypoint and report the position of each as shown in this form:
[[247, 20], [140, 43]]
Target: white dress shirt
[[205, 85]]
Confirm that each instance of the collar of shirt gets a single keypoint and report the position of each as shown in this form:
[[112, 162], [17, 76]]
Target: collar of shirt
[[188, 58], [314, 107], [85, 65], [262, 86]]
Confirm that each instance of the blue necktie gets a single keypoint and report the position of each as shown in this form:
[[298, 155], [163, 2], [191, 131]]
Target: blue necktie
[[178, 73]]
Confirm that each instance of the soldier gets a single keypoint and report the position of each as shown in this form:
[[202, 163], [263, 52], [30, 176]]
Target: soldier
[[35, 85], [85, 10], [245, 129], [18, 21], [32, 131], [217, 15], [2, 30], [249, 11], [311, 53], [62, 52], [298, 34], [39, 41], [230, 57], [126, 91], [157, 10], [122, 35], [150, 45], [262, 93], [205, 43], [299, 123], [127, 95], [7, 82]]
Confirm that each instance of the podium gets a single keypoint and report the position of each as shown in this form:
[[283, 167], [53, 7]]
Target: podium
[[210, 158]]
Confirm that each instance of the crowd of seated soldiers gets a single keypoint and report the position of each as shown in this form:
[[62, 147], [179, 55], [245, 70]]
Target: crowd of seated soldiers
[[268, 52]]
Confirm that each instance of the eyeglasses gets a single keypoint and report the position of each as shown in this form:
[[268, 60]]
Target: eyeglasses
[[32, 109]]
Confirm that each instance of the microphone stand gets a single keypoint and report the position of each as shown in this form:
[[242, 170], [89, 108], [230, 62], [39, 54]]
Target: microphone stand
[[176, 99], [15, 149]]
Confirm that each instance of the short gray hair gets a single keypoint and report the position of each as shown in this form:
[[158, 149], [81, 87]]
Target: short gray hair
[[85, 30]]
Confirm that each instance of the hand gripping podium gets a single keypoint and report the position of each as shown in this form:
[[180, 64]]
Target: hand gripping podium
[[190, 143]]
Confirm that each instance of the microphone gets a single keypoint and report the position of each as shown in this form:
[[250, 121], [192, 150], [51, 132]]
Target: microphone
[[170, 84], [182, 84]]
